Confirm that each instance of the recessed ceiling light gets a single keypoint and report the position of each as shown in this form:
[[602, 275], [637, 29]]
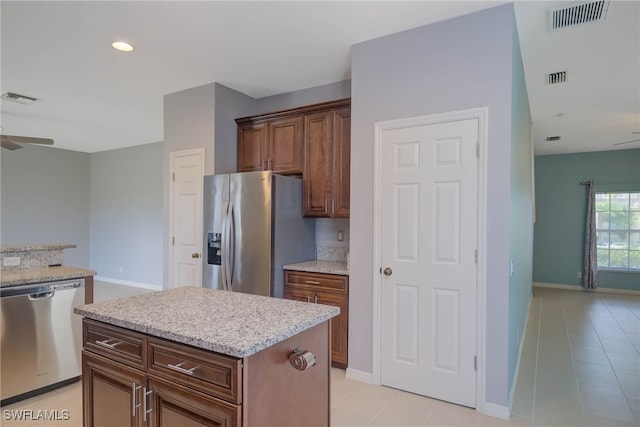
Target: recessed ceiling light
[[122, 46]]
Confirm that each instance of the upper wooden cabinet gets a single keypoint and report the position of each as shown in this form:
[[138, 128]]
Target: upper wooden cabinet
[[315, 141], [327, 165], [274, 144]]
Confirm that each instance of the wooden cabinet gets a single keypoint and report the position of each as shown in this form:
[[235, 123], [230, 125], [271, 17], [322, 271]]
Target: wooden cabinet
[[135, 380], [327, 167], [175, 385], [315, 141], [330, 289], [270, 144]]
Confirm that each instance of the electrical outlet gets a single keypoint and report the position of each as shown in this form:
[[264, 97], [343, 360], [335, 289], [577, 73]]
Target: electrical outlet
[[121, 269], [579, 274], [11, 261], [340, 236]]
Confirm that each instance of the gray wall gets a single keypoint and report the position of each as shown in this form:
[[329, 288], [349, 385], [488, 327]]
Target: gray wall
[[229, 105], [45, 199], [521, 209], [126, 213], [561, 210], [453, 65], [313, 95]]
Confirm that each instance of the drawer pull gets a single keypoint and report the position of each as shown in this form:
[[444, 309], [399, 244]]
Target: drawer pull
[[312, 282], [180, 369], [106, 344], [134, 401], [145, 411]]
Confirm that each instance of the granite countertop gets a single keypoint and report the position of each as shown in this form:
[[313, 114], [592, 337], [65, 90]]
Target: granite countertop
[[318, 266], [230, 323], [24, 276], [37, 247]]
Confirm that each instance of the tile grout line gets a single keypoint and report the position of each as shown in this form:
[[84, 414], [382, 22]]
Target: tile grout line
[[535, 373], [573, 363], [606, 353]]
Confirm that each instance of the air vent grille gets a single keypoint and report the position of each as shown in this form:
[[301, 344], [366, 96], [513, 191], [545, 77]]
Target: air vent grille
[[571, 14], [553, 138], [21, 99], [557, 77]]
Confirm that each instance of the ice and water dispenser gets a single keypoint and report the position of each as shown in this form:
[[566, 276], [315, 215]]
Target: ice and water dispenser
[[213, 248]]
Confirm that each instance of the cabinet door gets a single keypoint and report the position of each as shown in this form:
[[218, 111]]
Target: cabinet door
[[110, 392], [171, 405], [339, 327], [295, 293], [341, 173], [317, 163], [252, 147], [285, 145]]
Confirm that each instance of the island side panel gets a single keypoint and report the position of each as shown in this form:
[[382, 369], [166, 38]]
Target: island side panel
[[277, 394], [88, 289]]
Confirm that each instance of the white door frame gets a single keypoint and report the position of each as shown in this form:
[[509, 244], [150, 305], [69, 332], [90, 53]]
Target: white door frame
[[482, 114], [172, 158]]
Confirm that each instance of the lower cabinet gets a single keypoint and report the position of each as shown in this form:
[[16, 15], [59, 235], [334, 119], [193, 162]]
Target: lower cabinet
[[329, 289], [130, 379], [117, 395]]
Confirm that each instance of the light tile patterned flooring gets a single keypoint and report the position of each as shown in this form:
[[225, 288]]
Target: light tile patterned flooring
[[580, 367]]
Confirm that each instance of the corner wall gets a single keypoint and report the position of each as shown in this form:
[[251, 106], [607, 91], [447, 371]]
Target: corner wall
[[452, 65]]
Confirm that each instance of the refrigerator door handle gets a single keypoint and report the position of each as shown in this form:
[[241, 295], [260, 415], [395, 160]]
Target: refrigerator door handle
[[223, 247], [230, 262]]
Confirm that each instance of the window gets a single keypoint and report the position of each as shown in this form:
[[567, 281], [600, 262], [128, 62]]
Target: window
[[618, 231]]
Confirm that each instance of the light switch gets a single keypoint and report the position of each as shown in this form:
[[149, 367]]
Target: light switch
[[340, 236]]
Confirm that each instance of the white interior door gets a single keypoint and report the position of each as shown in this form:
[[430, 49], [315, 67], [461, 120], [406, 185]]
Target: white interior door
[[187, 171], [428, 244]]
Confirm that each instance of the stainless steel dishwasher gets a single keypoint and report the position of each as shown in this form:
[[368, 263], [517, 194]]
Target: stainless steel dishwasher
[[40, 337]]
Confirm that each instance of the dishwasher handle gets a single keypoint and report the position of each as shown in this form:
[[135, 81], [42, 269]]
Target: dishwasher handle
[[41, 295]]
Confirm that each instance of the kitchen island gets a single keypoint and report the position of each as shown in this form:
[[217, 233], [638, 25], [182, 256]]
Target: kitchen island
[[192, 356]]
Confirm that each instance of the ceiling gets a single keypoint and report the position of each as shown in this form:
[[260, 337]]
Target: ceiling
[[93, 98]]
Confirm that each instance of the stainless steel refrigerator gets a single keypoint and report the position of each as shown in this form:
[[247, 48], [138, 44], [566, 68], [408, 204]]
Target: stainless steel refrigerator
[[253, 225]]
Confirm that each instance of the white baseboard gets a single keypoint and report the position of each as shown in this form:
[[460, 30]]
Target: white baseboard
[[494, 410], [362, 376], [128, 283], [580, 288]]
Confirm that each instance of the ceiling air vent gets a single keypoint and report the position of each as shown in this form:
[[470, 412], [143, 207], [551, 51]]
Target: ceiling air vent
[[553, 138], [570, 14], [558, 77], [21, 99]]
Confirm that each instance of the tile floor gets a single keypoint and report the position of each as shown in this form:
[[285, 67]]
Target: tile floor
[[580, 367]]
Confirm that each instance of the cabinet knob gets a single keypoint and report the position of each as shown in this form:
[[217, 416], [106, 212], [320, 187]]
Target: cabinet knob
[[302, 359]]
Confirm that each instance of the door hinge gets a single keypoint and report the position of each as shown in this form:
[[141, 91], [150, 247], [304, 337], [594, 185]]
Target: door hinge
[[476, 256], [173, 240], [478, 150], [173, 176], [475, 363]]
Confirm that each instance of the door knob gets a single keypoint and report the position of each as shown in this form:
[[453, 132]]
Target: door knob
[[195, 255], [387, 271]]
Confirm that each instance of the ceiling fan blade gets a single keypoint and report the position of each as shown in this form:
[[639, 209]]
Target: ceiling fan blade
[[627, 142], [26, 139], [9, 145]]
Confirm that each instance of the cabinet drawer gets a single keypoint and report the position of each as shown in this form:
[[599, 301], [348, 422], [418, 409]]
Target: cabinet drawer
[[332, 282], [116, 343], [214, 374]]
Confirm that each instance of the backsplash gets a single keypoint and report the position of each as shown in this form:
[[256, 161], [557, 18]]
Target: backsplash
[[332, 253]]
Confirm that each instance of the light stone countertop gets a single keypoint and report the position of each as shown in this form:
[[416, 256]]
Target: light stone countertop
[[37, 247], [319, 266], [230, 323], [25, 276]]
